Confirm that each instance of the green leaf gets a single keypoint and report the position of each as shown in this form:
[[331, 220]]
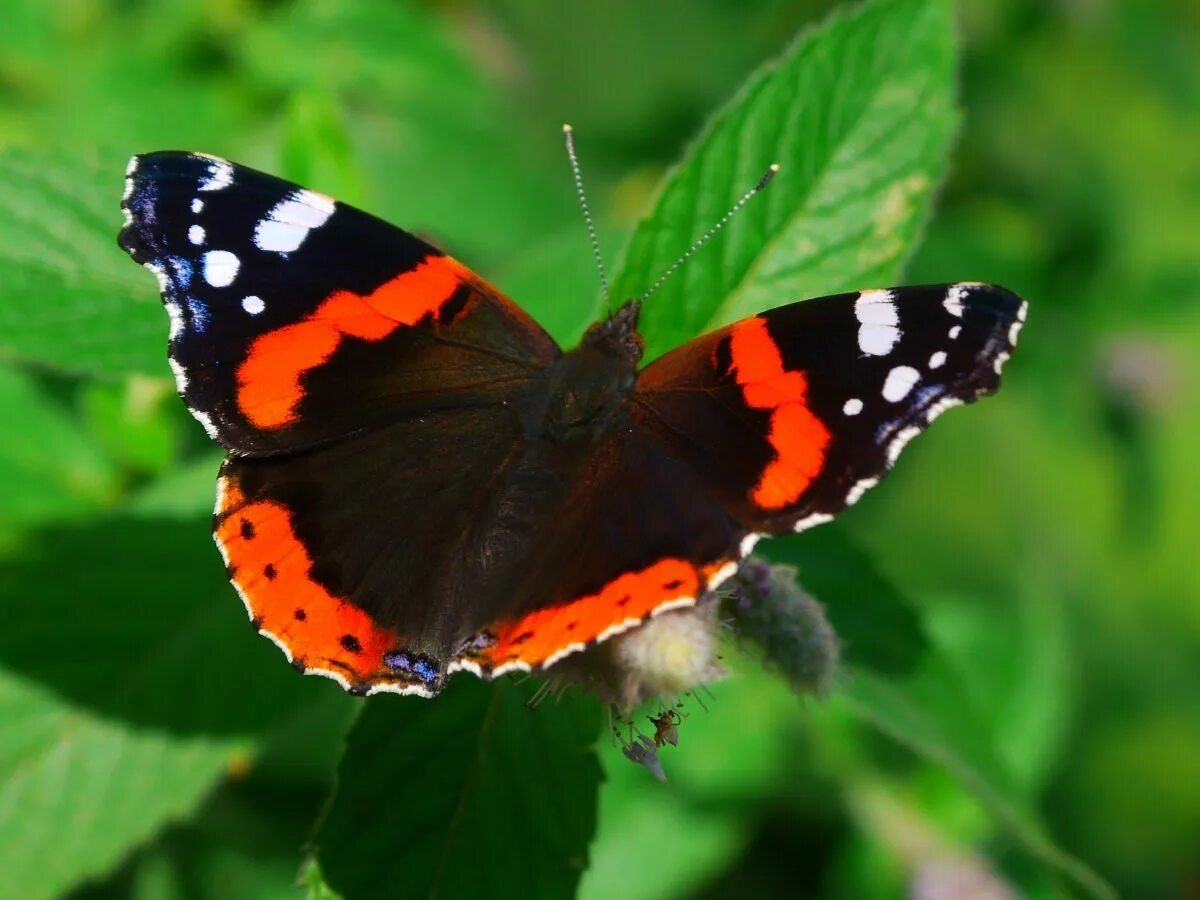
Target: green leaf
[[314, 883], [555, 279], [1014, 660], [50, 469], [244, 840], [734, 753], [652, 842], [134, 618], [860, 114], [186, 491], [353, 47], [929, 713], [433, 135], [77, 792], [451, 798], [317, 150], [136, 421], [878, 626], [70, 298]]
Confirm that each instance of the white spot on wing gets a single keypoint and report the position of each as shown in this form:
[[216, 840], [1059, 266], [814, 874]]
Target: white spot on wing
[[220, 174], [289, 221], [852, 407], [206, 420], [515, 665], [278, 237], [405, 688], [564, 652], [878, 320], [220, 502], [955, 332], [899, 442], [860, 487], [161, 274], [196, 234], [197, 205], [176, 314], [242, 594], [278, 642], [677, 603], [954, 299], [220, 267], [181, 379], [747, 544], [937, 360], [253, 305], [324, 673], [130, 168], [899, 382], [722, 575], [941, 406], [812, 521], [1014, 330], [465, 665]]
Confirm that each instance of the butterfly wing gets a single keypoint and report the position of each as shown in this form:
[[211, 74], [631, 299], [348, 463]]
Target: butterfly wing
[[393, 558], [790, 416], [296, 319], [364, 558], [359, 379]]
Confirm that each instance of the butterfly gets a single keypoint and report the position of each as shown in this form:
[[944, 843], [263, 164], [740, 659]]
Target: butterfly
[[419, 480]]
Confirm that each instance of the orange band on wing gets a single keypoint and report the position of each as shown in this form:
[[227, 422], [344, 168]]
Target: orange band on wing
[[270, 567], [268, 379], [798, 437], [542, 637]]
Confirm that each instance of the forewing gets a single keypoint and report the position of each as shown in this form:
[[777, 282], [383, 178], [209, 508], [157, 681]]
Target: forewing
[[296, 319], [790, 416]]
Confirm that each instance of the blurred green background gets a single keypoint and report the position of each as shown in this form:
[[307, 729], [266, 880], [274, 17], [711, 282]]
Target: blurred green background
[[1048, 538]]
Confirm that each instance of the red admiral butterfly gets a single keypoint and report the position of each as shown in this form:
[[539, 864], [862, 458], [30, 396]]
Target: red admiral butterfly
[[419, 480]]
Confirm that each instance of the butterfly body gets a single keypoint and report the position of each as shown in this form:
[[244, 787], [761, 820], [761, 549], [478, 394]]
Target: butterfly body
[[419, 480], [585, 393]]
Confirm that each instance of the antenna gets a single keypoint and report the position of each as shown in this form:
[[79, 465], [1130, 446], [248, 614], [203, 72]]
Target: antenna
[[569, 134], [772, 170]]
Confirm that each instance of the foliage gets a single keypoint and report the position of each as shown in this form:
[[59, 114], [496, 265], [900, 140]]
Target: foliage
[[1017, 606], [449, 799], [861, 162]]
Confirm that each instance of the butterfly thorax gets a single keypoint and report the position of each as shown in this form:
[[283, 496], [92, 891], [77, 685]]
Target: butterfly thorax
[[585, 390], [618, 334]]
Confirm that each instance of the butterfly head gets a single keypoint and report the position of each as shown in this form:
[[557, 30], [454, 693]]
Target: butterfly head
[[618, 335]]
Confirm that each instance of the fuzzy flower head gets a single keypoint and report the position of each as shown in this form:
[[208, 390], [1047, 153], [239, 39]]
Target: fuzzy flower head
[[669, 656]]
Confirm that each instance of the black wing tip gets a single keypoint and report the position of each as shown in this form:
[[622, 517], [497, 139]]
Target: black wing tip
[[141, 162], [138, 200], [995, 298], [1001, 320]]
